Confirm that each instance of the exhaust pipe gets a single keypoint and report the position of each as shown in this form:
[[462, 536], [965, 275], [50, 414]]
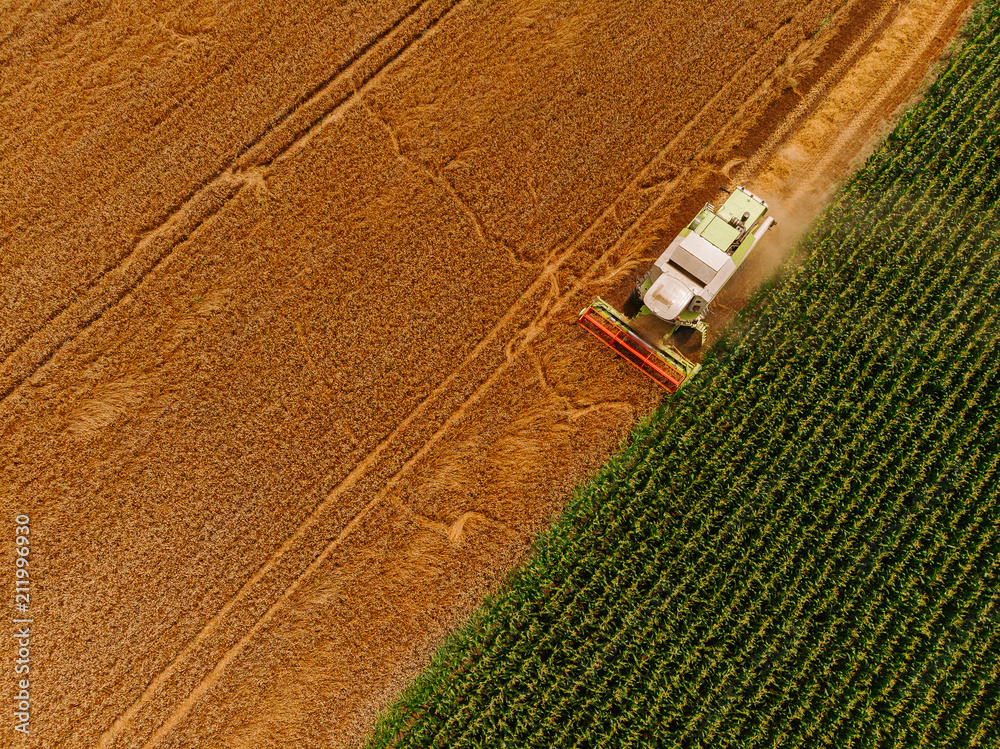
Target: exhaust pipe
[[768, 223]]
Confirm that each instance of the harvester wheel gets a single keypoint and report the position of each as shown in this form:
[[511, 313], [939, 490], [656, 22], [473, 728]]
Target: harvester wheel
[[682, 334], [633, 304]]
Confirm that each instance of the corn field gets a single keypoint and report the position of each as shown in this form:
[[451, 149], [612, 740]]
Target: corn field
[[801, 548]]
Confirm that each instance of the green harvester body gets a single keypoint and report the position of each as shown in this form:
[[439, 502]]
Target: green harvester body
[[679, 286]]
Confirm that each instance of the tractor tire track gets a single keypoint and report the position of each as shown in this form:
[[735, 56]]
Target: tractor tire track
[[286, 136], [165, 117], [316, 92], [367, 477]]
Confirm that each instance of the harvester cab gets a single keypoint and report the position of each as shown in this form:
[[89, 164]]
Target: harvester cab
[[675, 292]]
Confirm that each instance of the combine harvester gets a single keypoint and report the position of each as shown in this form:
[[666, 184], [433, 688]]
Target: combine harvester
[[671, 298]]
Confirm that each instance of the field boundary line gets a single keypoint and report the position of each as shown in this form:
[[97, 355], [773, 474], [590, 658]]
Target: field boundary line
[[361, 468], [114, 283]]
